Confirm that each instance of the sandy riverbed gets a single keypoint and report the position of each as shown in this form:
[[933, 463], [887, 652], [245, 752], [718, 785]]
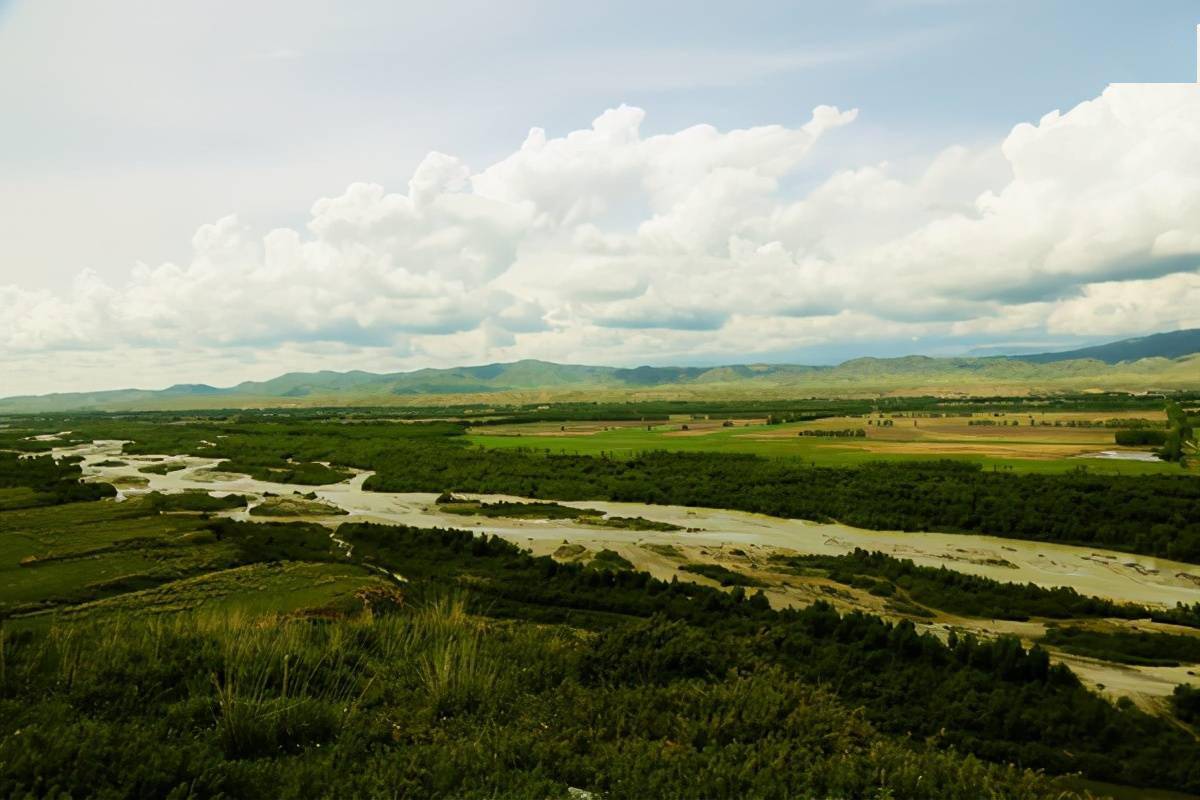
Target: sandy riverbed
[[1092, 571]]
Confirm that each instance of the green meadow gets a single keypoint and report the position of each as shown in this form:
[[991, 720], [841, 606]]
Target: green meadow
[[56, 556]]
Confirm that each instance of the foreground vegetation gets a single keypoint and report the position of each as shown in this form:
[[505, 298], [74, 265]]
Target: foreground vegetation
[[594, 673], [431, 702]]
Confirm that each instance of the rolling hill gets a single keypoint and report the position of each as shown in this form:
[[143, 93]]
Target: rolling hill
[[1166, 362]]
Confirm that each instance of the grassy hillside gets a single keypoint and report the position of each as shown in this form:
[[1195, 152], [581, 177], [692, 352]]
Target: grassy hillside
[[431, 701]]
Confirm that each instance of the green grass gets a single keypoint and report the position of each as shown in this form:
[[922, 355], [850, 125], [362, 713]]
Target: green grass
[[627, 441], [74, 553], [196, 500], [253, 589], [289, 662], [428, 702], [610, 560], [105, 558], [664, 550], [306, 473], [72, 581], [158, 469], [18, 497]]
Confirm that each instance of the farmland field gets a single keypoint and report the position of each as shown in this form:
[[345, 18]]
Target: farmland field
[[1038, 442]]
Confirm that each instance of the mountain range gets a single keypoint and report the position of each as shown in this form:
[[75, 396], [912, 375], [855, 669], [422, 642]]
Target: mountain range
[[1165, 361], [1175, 344]]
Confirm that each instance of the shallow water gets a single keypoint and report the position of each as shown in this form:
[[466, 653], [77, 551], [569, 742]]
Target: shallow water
[[1123, 455], [1092, 571]]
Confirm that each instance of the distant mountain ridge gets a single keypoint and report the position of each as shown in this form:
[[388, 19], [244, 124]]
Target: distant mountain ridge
[[1159, 345], [1166, 361]]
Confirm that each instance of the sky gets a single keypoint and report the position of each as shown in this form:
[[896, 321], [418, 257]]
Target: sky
[[224, 191]]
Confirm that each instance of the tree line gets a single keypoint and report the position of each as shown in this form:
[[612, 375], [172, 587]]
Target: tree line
[[49, 481], [977, 596]]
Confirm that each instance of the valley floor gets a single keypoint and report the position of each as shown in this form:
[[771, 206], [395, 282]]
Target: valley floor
[[247, 618], [743, 542]]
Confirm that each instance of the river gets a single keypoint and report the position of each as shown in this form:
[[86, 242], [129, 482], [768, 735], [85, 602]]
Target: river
[[1091, 571]]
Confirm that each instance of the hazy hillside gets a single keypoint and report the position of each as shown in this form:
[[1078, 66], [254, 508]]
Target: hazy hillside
[[1159, 345], [1168, 361]]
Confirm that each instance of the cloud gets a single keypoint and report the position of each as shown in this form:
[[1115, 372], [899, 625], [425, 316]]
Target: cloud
[[1123, 307], [612, 246]]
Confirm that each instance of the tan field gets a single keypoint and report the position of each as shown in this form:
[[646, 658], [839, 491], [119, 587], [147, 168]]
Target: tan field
[[1038, 441], [1047, 435]]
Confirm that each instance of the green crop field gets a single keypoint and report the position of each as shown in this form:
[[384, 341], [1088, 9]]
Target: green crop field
[[56, 556], [1045, 449], [101, 559]]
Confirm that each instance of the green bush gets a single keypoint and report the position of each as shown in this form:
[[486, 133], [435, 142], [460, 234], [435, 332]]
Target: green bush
[[1141, 437], [1185, 701]]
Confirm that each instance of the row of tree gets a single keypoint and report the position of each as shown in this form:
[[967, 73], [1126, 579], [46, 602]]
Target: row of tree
[[976, 596]]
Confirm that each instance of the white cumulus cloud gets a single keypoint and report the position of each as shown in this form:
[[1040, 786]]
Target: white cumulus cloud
[[608, 245]]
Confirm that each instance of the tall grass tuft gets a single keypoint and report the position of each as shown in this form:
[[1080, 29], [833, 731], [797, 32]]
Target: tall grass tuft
[[443, 649], [457, 673], [283, 685]]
